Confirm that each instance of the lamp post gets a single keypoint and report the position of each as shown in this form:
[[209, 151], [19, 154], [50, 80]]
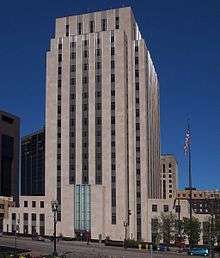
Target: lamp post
[[125, 223], [54, 206]]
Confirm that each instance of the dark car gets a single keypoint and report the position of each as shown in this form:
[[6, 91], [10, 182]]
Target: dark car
[[201, 251], [163, 247]]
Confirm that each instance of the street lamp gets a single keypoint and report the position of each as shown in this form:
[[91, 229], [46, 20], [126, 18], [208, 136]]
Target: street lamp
[[126, 224], [54, 206]]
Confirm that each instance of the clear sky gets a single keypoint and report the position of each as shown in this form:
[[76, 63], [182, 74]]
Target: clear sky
[[184, 39]]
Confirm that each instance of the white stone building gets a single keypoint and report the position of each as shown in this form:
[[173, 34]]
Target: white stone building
[[102, 159]]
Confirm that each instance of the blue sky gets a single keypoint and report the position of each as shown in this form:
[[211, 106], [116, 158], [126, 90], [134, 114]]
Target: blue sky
[[184, 39]]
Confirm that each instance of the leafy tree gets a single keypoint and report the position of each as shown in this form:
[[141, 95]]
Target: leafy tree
[[192, 229], [167, 227]]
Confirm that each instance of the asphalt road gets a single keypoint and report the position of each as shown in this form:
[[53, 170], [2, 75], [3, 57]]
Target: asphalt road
[[82, 250]]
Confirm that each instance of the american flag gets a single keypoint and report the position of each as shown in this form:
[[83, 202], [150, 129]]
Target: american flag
[[187, 141]]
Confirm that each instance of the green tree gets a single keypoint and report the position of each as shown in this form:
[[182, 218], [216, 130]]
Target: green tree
[[192, 230], [167, 227]]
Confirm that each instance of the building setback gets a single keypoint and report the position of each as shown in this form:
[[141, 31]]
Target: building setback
[[102, 124], [102, 131], [33, 164], [9, 155]]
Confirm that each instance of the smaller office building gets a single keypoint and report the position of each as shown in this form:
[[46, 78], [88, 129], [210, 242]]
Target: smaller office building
[[33, 164], [9, 155]]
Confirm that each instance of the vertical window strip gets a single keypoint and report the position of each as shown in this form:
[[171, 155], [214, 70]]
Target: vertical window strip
[[138, 165], [98, 115], [59, 82], [72, 122], [113, 144], [85, 114]]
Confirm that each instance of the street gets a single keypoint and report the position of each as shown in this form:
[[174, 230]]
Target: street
[[74, 249]]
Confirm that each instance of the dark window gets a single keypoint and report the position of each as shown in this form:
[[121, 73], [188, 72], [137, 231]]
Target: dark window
[[13, 216], [85, 53], [60, 46], [164, 168], [59, 83], [117, 22], [42, 204], [67, 30], [178, 208], [98, 65], [73, 44], [59, 70], [79, 25], [165, 208], [136, 48], [170, 165], [154, 207], [59, 57], [112, 64], [33, 204], [98, 52], [137, 85], [42, 217], [112, 51], [25, 203], [73, 81], [73, 55], [73, 68], [33, 216], [104, 24], [85, 80], [112, 39], [92, 23], [113, 218], [112, 78]]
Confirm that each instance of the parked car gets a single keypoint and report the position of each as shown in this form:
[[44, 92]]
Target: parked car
[[38, 238], [163, 247], [202, 251]]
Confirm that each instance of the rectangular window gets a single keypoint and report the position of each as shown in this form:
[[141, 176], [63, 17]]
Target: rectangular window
[[33, 204], [42, 204], [112, 64], [73, 55], [59, 57], [154, 207], [42, 217], [67, 30], [79, 28], [104, 24], [117, 23], [25, 204], [165, 208], [33, 216], [92, 23], [112, 51]]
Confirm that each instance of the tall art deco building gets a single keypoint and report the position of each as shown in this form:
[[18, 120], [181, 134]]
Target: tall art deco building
[[102, 125]]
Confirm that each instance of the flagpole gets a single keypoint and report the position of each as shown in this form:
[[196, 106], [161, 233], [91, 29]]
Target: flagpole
[[190, 185], [190, 174]]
